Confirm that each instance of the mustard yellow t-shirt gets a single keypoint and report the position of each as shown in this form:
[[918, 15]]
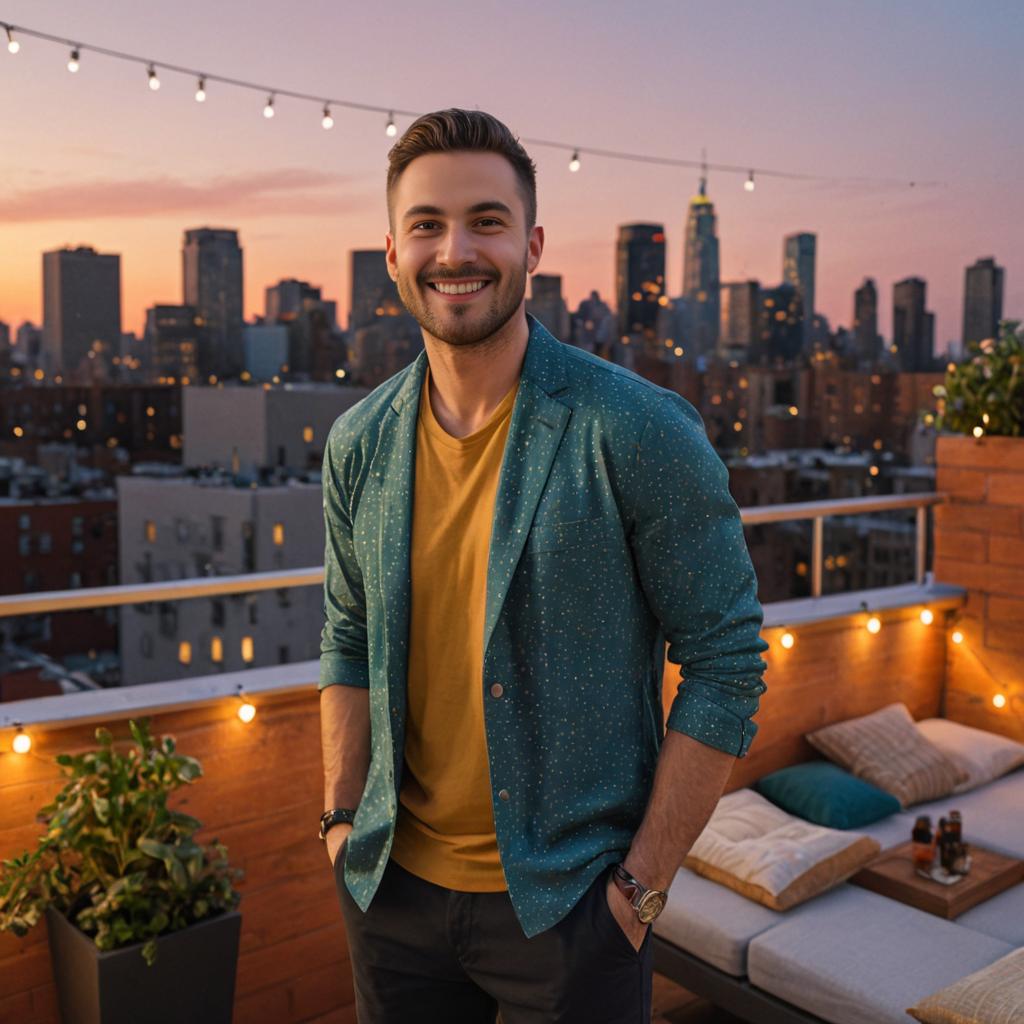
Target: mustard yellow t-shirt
[[445, 827]]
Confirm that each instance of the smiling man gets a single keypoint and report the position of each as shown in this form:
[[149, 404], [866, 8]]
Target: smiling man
[[514, 528]]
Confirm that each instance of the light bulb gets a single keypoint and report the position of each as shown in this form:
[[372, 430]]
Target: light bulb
[[957, 637], [154, 82], [328, 121], [22, 743], [926, 616], [246, 712], [268, 110], [978, 431], [13, 46], [999, 700], [73, 61], [787, 640], [201, 91], [749, 183], [874, 624], [574, 163], [391, 131]]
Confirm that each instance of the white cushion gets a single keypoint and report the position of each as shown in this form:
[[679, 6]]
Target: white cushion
[[854, 957], [983, 755], [775, 858]]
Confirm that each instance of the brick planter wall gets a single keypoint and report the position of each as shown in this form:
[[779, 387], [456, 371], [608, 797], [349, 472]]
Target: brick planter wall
[[979, 545]]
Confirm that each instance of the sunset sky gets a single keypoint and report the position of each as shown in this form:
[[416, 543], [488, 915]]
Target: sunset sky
[[922, 91]]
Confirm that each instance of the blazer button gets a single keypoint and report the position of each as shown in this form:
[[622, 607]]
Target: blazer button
[[497, 690], [503, 794]]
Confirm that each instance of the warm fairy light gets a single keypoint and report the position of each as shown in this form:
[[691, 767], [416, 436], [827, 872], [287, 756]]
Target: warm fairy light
[[391, 131], [154, 82], [73, 61], [201, 91], [246, 711], [787, 640], [22, 742], [926, 616], [268, 110], [874, 624], [327, 121], [574, 163], [749, 183], [978, 431], [999, 700], [958, 637], [13, 46]]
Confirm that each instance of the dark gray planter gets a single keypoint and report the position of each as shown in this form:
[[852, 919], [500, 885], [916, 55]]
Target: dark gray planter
[[193, 979]]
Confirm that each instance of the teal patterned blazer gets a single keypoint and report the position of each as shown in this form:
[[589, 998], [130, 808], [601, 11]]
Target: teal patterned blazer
[[614, 531]]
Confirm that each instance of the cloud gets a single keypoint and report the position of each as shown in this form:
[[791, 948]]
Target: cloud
[[291, 191]]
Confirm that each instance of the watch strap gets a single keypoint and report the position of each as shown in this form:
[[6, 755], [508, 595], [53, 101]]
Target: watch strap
[[335, 816]]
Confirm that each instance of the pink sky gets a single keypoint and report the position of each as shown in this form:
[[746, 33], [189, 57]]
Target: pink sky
[[919, 91]]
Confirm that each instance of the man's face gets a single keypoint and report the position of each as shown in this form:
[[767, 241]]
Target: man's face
[[459, 226]]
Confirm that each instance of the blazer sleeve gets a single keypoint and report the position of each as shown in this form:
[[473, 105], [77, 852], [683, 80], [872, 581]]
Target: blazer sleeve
[[697, 576], [343, 650]]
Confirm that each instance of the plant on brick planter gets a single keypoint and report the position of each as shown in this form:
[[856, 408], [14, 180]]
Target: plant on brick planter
[[115, 861], [985, 392]]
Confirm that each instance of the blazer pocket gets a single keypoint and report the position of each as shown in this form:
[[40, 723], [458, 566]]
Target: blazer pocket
[[554, 536]]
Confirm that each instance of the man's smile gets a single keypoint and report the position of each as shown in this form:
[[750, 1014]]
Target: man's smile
[[459, 291]]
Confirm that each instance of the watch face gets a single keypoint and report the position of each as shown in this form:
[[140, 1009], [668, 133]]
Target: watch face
[[651, 906]]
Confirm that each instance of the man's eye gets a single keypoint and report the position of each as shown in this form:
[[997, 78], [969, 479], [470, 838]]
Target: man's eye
[[424, 222], [491, 219]]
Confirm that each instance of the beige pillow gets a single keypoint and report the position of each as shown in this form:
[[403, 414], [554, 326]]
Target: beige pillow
[[887, 749], [983, 755], [993, 995], [772, 857]]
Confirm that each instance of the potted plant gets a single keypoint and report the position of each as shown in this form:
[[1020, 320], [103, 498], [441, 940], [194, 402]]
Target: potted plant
[[984, 394], [142, 920]]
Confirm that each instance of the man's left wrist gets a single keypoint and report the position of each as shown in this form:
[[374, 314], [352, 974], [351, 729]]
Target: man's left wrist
[[647, 902]]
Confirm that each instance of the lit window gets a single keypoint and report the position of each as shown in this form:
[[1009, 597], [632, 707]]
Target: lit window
[[278, 534], [185, 652]]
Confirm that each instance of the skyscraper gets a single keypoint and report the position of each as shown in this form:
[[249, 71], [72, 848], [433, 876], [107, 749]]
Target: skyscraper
[[639, 278], [913, 328], [867, 343], [81, 312], [212, 275], [374, 294], [701, 281], [780, 328], [288, 298], [740, 319], [799, 256], [547, 305], [983, 300]]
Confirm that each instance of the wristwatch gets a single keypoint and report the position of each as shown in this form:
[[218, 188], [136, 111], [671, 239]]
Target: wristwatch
[[335, 816], [648, 903]]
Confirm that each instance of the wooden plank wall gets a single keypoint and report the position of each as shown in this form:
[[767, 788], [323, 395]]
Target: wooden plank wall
[[262, 792], [261, 795]]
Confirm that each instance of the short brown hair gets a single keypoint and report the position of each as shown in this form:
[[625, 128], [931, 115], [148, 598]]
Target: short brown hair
[[446, 131]]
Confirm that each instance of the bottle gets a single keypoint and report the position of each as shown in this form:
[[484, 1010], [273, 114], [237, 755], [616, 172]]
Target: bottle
[[956, 826], [923, 848]]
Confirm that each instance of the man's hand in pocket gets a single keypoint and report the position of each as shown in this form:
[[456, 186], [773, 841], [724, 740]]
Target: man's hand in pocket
[[335, 837]]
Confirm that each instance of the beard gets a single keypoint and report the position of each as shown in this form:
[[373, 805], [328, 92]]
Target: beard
[[470, 323]]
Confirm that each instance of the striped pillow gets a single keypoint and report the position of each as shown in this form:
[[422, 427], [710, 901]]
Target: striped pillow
[[887, 749], [993, 995]]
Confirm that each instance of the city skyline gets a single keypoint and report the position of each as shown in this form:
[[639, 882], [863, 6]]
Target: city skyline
[[302, 198]]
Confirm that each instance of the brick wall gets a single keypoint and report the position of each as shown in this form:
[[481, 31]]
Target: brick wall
[[979, 545]]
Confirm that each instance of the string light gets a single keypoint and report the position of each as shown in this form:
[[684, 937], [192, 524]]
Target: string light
[[73, 61], [327, 121], [874, 623], [391, 130], [926, 616], [246, 710], [999, 700], [957, 637], [787, 640], [268, 110], [22, 741], [201, 89]]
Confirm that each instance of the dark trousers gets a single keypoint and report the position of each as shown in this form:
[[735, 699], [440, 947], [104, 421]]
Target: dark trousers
[[422, 953]]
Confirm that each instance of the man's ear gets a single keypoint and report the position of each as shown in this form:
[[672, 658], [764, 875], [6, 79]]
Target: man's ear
[[391, 256], [534, 248]]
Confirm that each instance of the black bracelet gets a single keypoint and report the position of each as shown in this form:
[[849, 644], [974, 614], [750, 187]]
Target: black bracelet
[[335, 816]]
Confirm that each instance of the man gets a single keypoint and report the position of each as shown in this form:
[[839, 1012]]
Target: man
[[514, 528]]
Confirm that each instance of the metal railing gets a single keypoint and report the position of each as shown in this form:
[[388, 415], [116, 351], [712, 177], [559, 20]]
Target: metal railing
[[214, 586]]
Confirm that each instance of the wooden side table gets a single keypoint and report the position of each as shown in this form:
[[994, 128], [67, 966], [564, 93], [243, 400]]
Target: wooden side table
[[892, 874]]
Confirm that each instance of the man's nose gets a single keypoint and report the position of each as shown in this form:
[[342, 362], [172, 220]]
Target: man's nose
[[457, 247]]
